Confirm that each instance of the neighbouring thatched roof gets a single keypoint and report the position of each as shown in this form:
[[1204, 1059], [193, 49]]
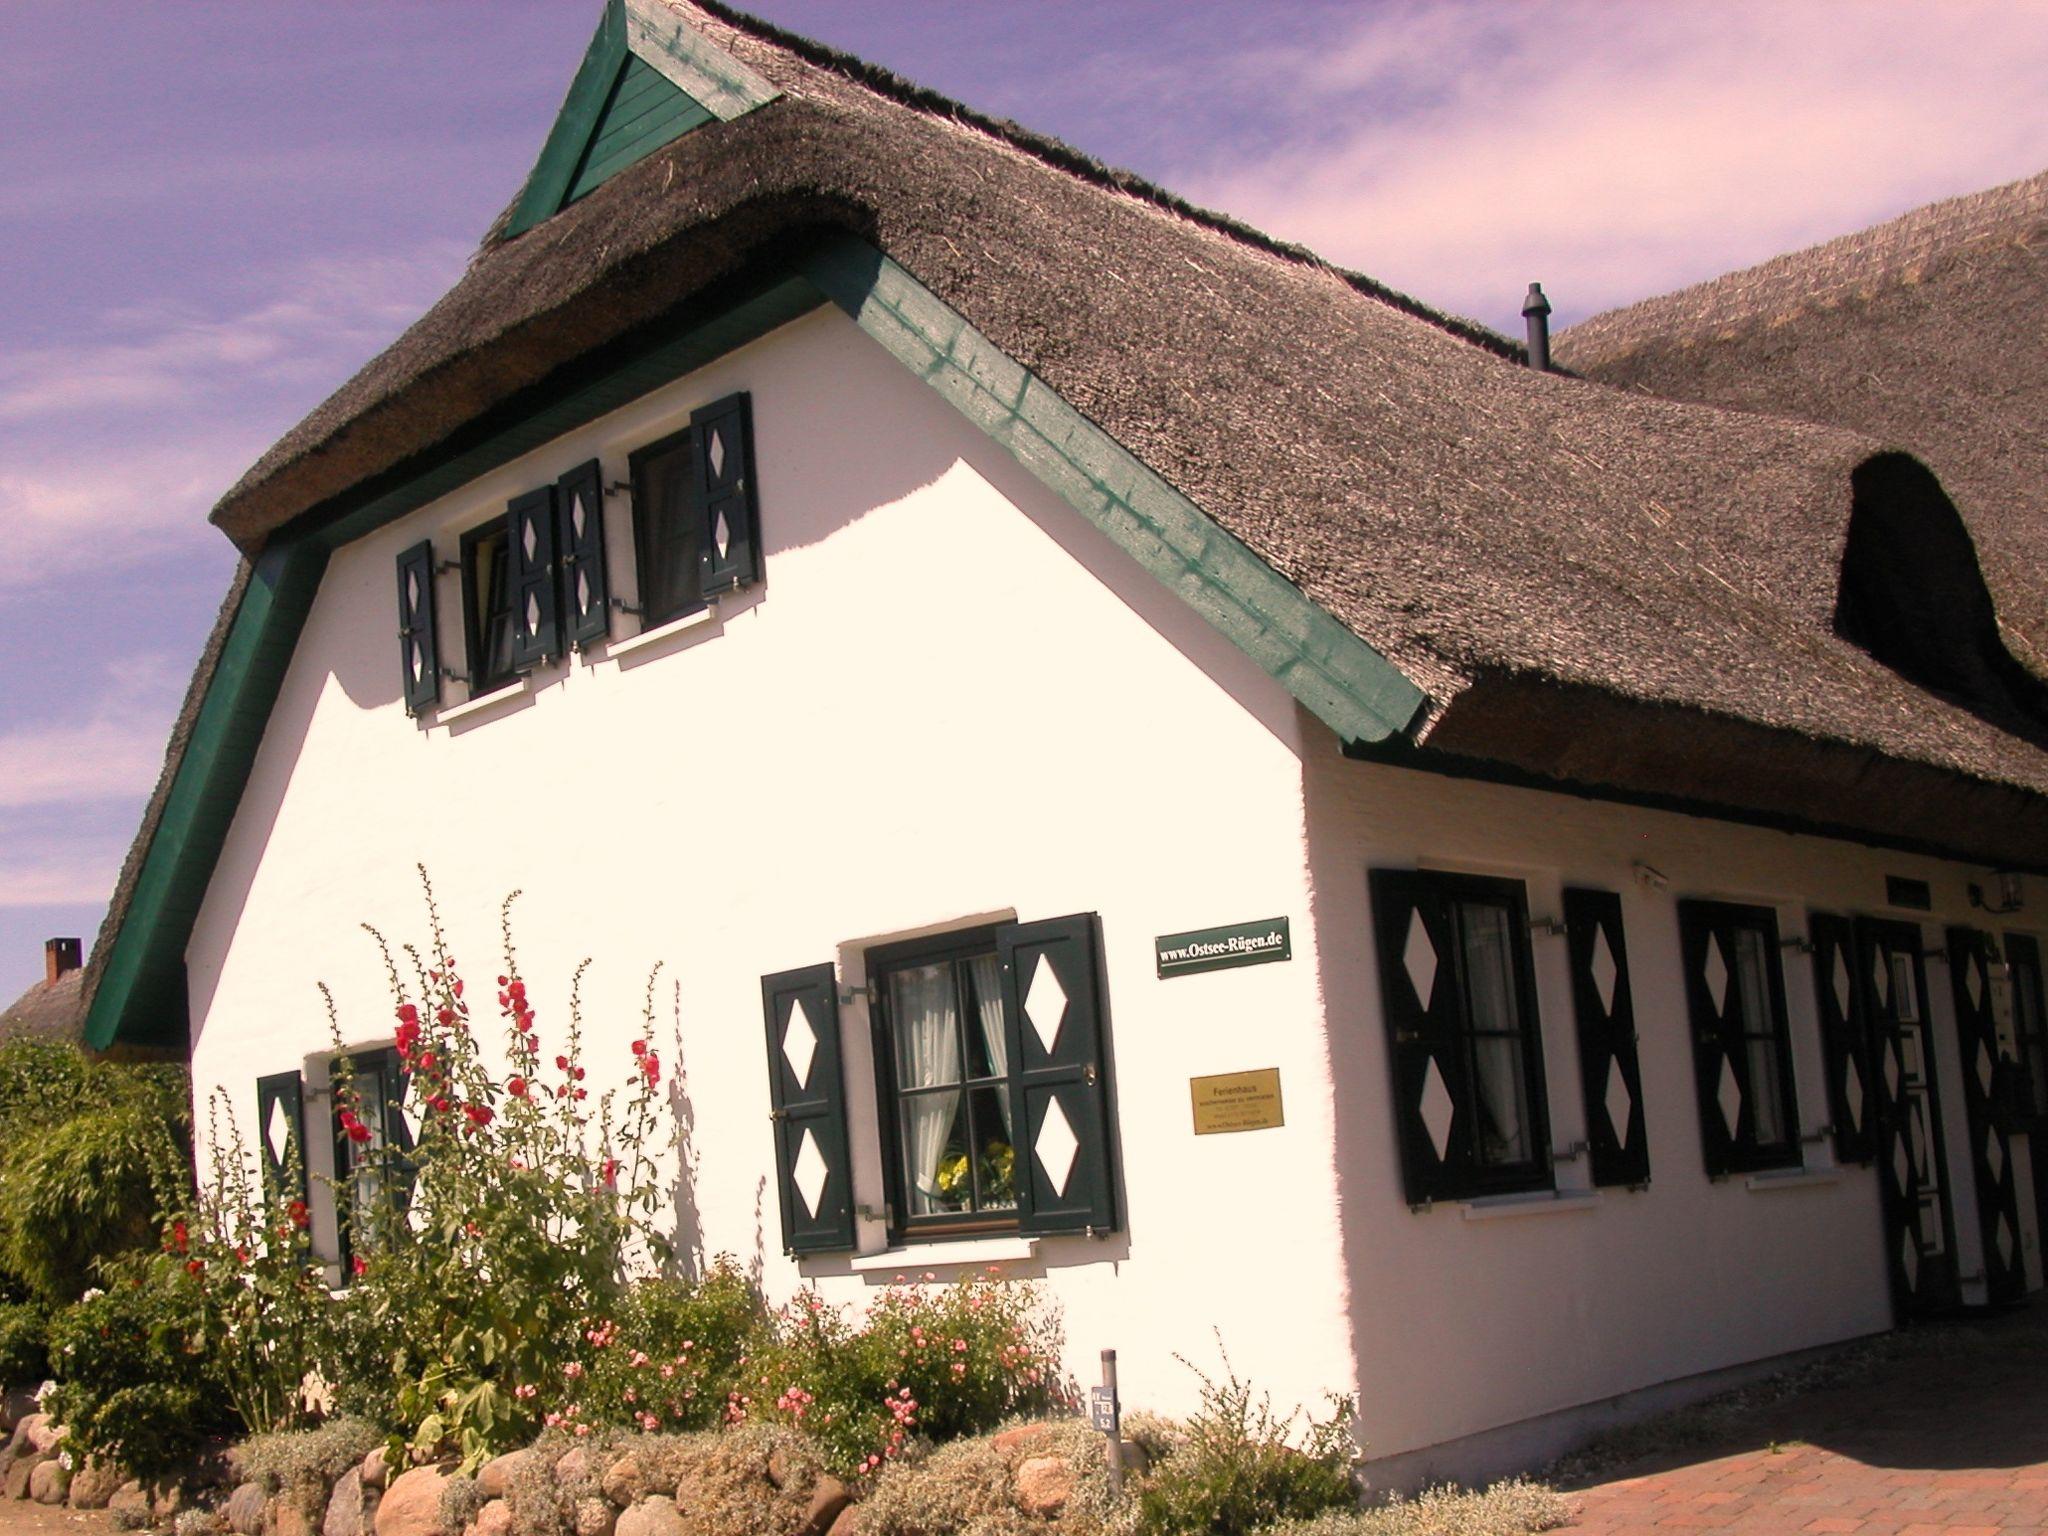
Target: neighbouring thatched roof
[[48, 1010], [1927, 331], [1597, 586]]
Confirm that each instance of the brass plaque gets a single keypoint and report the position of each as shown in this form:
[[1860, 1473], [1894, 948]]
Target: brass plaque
[[1237, 1101]]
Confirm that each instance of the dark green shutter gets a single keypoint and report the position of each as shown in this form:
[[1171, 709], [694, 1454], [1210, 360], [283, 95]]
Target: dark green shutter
[[586, 587], [419, 646], [280, 1134], [1604, 1006], [1060, 1090], [1416, 946], [1989, 1102], [1844, 1037], [807, 1098], [1698, 937], [728, 516], [530, 576]]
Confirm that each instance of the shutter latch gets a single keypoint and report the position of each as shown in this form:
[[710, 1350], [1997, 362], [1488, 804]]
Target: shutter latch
[[1088, 1074]]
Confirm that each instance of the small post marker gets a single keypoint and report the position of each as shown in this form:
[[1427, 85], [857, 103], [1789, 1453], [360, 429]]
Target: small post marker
[[1105, 1415]]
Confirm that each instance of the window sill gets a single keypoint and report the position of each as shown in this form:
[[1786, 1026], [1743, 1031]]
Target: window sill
[[486, 703], [704, 616], [1539, 1203], [1793, 1178], [918, 1257]]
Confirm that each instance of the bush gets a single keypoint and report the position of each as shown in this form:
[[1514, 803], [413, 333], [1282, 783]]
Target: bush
[[966, 1487], [934, 1361], [306, 1464], [1237, 1469], [670, 1358], [24, 1343], [82, 1191], [134, 1383], [1512, 1508]]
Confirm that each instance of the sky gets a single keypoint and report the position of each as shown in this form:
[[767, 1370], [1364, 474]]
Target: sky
[[211, 213]]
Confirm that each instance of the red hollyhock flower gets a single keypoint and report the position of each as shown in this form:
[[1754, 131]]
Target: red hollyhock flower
[[298, 1213], [178, 1235], [357, 1266], [438, 1104], [516, 1086], [193, 1266], [444, 1016], [427, 1060], [639, 1047], [651, 1065], [407, 1014], [611, 1171], [479, 1114], [561, 1063], [517, 989], [456, 986], [408, 1037]]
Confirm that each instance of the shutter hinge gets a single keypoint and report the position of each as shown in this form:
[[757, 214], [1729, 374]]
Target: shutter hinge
[[1551, 927], [619, 488], [1407, 1036], [1088, 1074], [864, 993], [444, 567], [778, 1114], [625, 607]]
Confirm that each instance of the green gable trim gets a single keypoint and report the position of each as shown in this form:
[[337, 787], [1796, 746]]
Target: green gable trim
[[646, 79], [1343, 681]]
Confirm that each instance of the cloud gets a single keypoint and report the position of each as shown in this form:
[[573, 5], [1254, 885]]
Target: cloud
[[114, 445], [1616, 150], [79, 876], [113, 753]]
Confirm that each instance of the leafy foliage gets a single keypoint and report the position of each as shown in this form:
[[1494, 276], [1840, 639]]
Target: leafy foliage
[[671, 1357], [24, 1342]]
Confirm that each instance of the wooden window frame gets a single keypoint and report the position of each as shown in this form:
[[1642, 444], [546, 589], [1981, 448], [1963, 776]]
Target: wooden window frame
[[477, 613], [686, 510], [946, 948]]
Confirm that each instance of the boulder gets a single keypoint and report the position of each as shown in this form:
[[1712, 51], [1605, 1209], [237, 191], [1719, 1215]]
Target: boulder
[[15, 1406], [595, 1517], [376, 1470], [624, 1481], [34, 1435], [411, 1506], [351, 1508], [1043, 1485], [93, 1483], [495, 1477], [1021, 1438], [829, 1498], [287, 1517], [494, 1519], [852, 1521], [167, 1499], [651, 1517], [245, 1509], [130, 1504], [18, 1470], [50, 1482], [573, 1467]]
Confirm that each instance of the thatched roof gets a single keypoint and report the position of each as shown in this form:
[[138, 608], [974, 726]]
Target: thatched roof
[[48, 1010], [1926, 331], [1600, 587]]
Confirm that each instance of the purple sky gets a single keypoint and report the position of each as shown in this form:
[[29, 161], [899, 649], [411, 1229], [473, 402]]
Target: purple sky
[[211, 214]]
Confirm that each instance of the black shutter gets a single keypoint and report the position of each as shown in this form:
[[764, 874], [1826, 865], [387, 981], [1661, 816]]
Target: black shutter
[[1989, 1077], [1060, 1093], [807, 1098], [419, 646], [530, 577], [1604, 1007], [1419, 997], [586, 587], [1700, 945], [280, 1134], [1844, 1037], [728, 516]]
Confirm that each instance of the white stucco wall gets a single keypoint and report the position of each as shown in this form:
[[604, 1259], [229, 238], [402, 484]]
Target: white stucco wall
[[1463, 1324], [952, 699]]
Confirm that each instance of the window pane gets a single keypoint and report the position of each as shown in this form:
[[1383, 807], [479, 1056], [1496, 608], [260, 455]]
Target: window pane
[[994, 1160], [1489, 967], [926, 1024], [987, 1050], [935, 1153], [1765, 1093], [2033, 1031], [1752, 983], [497, 610], [665, 533], [1503, 1100], [1499, 1069]]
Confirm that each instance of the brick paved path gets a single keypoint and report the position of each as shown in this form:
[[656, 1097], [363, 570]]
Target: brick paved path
[[1950, 1440]]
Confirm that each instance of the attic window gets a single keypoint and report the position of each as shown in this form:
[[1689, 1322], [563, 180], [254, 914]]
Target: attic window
[[1912, 595]]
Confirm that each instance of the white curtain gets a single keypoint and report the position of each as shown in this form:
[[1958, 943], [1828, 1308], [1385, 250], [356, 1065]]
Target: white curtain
[[1496, 1053], [928, 1054], [988, 997]]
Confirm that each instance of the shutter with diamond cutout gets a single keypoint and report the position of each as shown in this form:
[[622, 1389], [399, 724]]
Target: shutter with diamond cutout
[[1061, 1100], [807, 1099], [280, 1107], [1987, 1105], [530, 575], [1418, 997], [419, 646], [1605, 1009], [586, 588], [1709, 984], [1844, 1037], [729, 519]]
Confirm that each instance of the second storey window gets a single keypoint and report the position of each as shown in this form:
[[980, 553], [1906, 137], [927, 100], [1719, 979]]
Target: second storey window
[[487, 620], [665, 535], [1460, 1003], [1742, 1045]]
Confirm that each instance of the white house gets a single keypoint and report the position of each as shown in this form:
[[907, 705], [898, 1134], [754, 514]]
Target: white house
[[1147, 758]]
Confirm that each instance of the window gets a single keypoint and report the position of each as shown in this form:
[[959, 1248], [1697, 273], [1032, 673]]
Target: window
[[993, 1088], [947, 1083], [666, 538], [1742, 1047], [2029, 1020], [1464, 1037], [377, 1083], [487, 620]]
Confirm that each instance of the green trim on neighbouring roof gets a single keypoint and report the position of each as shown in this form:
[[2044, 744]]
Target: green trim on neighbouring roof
[[1343, 681], [647, 78]]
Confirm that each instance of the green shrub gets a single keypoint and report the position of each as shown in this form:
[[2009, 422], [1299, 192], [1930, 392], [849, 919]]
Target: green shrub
[[966, 1486], [1516, 1507], [24, 1343], [670, 1357], [82, 1191], [134, 1383], [306, 1463], [934, 1361], [1238, 1470]]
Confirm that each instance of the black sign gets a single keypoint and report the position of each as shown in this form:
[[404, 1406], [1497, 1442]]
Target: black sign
[[1220, 949]]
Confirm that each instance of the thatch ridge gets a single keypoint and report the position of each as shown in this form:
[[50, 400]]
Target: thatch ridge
[[48, 1010]]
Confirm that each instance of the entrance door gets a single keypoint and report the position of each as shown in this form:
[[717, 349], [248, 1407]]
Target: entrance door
[[1991, 1090], [1891, 976]]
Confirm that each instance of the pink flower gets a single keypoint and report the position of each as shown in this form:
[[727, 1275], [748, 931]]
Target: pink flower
[[524, 1390], [573, 1369]]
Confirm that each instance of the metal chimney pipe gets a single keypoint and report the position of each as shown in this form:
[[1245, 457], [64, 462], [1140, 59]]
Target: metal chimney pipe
[[1536, 311]]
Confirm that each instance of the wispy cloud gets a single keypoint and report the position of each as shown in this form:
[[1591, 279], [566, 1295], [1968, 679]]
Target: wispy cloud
[[113, 750], [80, 874], [1616, 149]]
